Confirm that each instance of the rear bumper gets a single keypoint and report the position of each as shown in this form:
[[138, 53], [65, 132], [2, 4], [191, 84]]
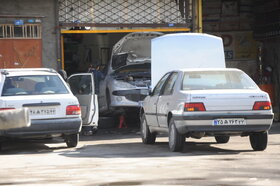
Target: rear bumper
[[204, 123], [46, 128]]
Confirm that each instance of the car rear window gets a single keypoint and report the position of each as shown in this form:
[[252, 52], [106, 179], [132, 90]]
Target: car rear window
[[201, 80], [33, 85]]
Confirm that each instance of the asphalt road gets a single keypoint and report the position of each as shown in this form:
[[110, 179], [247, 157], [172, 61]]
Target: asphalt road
[[118, 157]]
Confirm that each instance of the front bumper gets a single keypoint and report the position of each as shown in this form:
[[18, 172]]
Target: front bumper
[[128, 98], [204, 123], [46, 128]]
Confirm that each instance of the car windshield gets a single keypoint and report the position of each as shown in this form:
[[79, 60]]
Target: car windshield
[[203, 80], [33, 85]]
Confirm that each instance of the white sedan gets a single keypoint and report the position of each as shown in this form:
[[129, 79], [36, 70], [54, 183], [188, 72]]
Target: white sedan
[[206, 102], [53, 109]]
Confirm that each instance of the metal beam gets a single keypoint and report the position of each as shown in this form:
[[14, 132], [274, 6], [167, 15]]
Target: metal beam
[[125, 30]]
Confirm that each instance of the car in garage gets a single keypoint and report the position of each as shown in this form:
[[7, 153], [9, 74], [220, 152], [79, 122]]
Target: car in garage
[[53, 109], [128, 75], [218, 102]]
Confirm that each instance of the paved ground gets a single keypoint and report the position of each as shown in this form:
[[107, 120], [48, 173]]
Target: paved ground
[[117, 157]]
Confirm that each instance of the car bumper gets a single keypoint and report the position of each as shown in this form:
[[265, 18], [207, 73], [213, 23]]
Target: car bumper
[[128, 98], [46, 127], [204, 123]]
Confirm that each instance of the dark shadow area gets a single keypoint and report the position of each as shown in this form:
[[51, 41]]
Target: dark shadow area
[[275, 128], [139, 150], [112, 133], [30, 146]]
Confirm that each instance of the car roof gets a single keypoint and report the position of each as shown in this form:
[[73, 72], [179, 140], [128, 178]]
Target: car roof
[[209, 69], [27, 71]]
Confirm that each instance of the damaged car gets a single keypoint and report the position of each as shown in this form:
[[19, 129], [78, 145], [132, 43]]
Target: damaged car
[[128, 75]]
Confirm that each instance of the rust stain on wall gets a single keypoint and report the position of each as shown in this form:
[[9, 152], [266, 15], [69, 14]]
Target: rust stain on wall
[[20, 53]]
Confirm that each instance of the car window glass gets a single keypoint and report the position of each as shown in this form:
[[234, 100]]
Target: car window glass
[[217, 80], [168, 88], [81, 84], [159, 85], [33, 85]]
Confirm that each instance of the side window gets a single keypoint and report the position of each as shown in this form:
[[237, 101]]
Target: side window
[[159, 85], [80, 84], [168, 89]]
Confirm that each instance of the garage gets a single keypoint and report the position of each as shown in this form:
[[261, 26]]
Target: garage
[[250, 30]]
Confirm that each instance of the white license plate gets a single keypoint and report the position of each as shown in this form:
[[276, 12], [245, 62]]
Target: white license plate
[[229, 121], [42, 111]]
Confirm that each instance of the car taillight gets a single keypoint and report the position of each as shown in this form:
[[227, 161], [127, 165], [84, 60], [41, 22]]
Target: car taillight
[[73, 110], [6, 108], [262, 105], [190, 107]]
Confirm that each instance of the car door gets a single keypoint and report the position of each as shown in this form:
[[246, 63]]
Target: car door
[[165, 100], [82, 86], [152, 101]]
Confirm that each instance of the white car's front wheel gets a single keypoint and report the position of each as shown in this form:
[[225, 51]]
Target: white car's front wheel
[[258, 141], [176, 140], [147, 136]]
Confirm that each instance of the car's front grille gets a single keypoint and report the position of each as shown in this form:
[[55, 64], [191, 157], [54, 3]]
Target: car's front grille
[[135, 97]]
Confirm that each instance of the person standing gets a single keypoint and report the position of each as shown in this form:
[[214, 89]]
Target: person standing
[[97, 75]]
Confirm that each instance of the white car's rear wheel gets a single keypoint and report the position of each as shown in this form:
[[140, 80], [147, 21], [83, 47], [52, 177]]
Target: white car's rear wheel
[[147, 136], [176, 140], [258, 141], [72, 140], [222, 139]]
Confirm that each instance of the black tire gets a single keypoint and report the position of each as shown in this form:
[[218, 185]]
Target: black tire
[[222, 139], [176, 140], [259, 140], [108, 100], [72, 140], [147, 136]]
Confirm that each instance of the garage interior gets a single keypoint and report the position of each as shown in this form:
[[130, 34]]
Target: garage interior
[[249, 29]]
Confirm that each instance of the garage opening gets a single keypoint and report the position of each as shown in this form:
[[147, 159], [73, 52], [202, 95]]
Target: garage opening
[[80, 49]]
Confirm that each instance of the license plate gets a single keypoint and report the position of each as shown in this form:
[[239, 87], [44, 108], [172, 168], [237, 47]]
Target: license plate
[[42, 111], [229, 121]]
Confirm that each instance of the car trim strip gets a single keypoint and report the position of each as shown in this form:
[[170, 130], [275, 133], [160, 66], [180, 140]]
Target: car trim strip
[[41, 104], [211, 117]]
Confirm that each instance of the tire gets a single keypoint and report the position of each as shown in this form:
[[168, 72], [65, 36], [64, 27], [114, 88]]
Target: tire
[[176, 140], [72, 140], [147, 136], [108, 100], [259, 140], [222, 139]]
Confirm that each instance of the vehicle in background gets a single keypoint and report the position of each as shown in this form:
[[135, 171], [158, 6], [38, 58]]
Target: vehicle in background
[[128, 75], [54, 110], [215, 102]]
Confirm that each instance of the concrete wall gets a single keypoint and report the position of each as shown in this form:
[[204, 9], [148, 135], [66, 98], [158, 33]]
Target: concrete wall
[[46, 8]]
